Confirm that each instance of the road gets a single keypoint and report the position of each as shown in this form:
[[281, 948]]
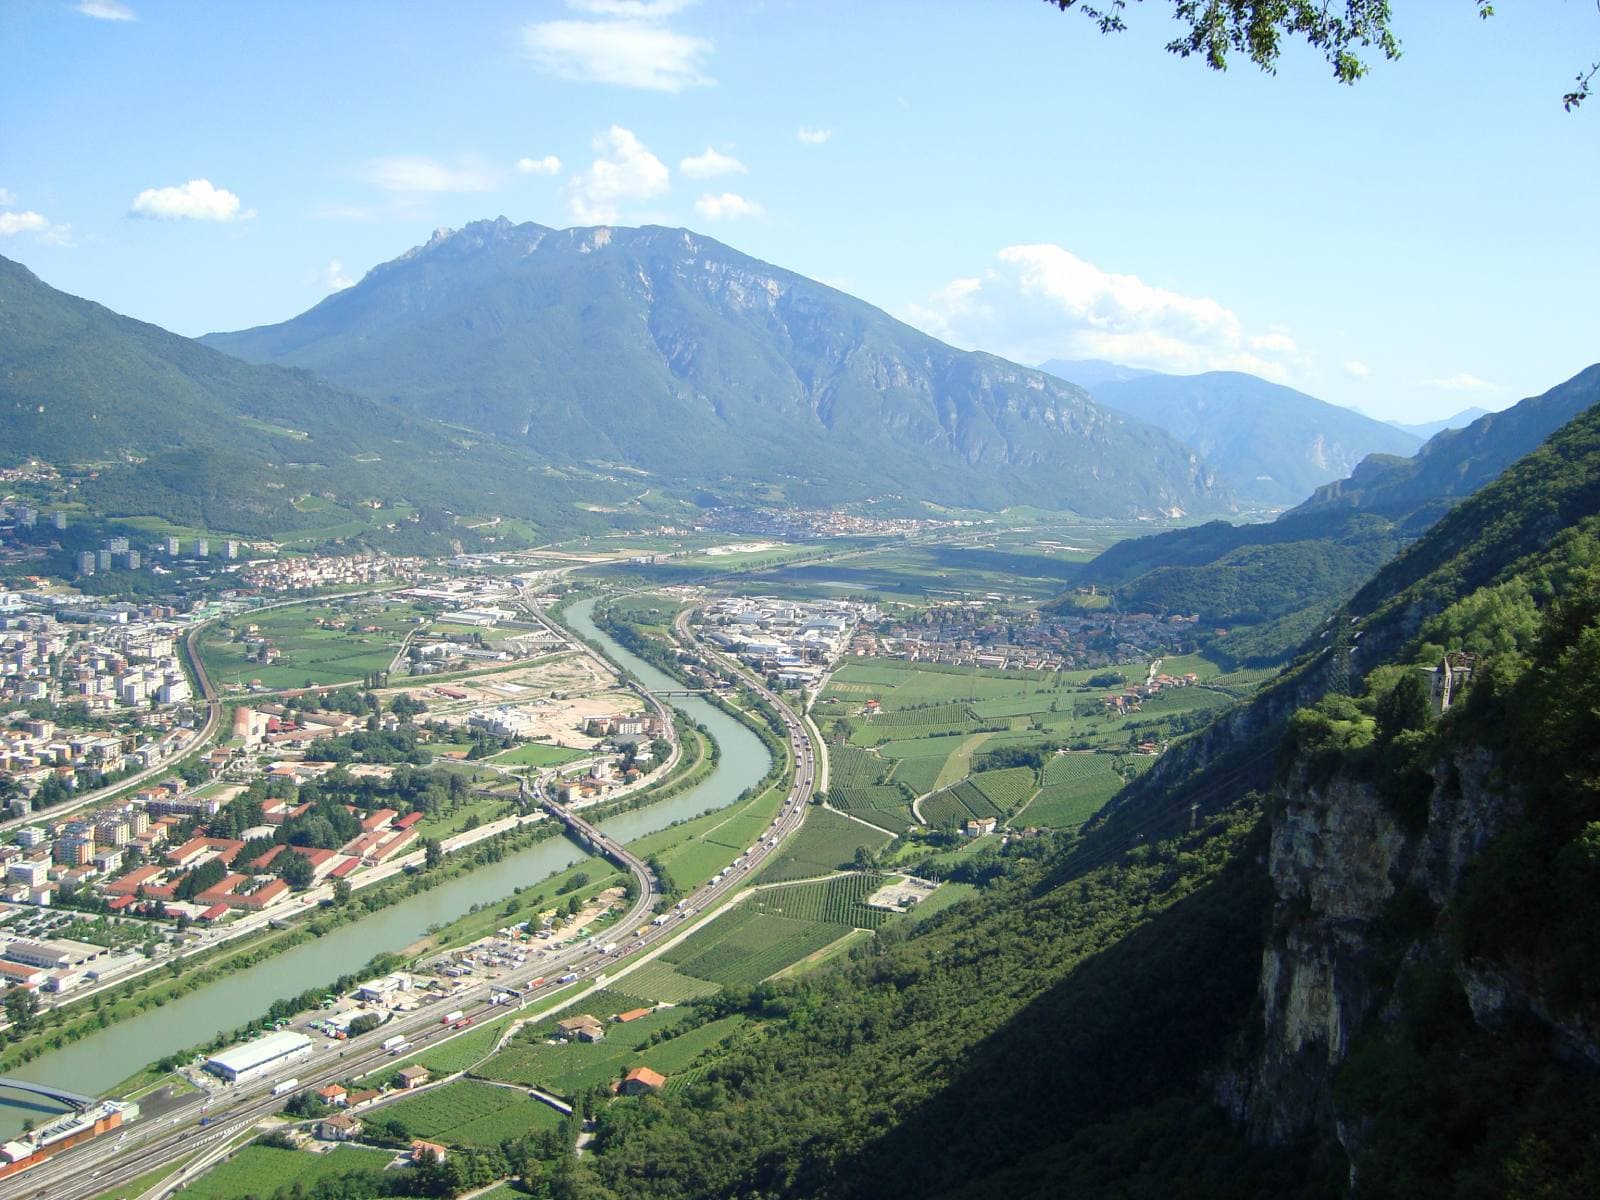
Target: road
[[111, 1161]]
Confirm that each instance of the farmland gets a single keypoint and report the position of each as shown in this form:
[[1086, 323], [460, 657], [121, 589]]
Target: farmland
[[264, 1170], [745, 945], [975, 743], [576, 1066], [830, 901], [826, 842], [470, 1114], [339, 641]]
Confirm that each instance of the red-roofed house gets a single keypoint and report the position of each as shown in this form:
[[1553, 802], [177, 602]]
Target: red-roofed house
[[121, 902], [261, 897], [365, 844], [395, 844], [378, 820], [133, 881], [407, 821], [346, 865], [633, 1014], [222, 892], [215, 913], [642, 1080], [262, 862], [322, 861]]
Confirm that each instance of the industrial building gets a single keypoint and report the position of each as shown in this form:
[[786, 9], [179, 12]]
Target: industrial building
[[253, 1059]]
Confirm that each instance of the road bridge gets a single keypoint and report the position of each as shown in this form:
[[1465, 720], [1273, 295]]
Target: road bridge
[[45, 1089]]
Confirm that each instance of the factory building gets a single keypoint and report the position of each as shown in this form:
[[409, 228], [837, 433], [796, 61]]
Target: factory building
[[254, 1059]]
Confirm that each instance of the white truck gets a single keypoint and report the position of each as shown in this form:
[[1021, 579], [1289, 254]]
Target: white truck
[[287, 1086], [398, 1039], [450, 1018]]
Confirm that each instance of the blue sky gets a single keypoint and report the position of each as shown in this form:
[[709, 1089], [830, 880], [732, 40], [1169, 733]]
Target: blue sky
[[996, 173]]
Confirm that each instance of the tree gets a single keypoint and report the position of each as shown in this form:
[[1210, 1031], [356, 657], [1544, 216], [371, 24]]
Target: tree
[[432, 853], [22, 1009], [341, 891], [296, 870], [1258, 29], [1405, 707]]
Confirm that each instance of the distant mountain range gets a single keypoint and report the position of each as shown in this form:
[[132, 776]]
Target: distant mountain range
[[174, 429], [670, 353], [1281, 579], [1270, 444], [1458, 421]]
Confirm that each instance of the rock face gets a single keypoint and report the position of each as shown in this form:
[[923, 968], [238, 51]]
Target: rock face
[[1341, 861]]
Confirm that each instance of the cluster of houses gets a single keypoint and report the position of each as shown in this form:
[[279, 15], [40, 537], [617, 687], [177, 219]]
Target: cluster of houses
[[60, 964], [796, 642], [972, 633], [291, 574], [1130, 697]]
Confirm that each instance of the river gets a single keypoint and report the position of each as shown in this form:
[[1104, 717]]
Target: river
[[100, 1061]]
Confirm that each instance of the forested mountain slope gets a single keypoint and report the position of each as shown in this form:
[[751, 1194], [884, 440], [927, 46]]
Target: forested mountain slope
[[671, 353], [181, 431]]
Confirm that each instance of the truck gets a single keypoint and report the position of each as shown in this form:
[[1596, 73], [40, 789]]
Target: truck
[[284, 1088], [450, 1018], [661, 920], [462, 1023], [537, 983], [400, 1049], [398, 1039], [607, 948], [568, 977]]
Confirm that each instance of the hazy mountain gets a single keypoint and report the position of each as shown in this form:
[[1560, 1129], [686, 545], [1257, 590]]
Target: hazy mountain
[[1459, 421], [175, 429], [1280, 579], [1271, 444], [1090, 373], [1457, 462], [674, 354]]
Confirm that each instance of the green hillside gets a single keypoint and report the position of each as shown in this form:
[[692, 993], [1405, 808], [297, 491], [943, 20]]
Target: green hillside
[[674, 354], [176, 430]]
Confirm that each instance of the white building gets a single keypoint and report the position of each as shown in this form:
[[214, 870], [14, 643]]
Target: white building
[[260, 1057]]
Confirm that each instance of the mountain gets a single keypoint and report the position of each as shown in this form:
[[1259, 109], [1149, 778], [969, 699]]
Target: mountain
[[674, 354], [1457, 462], [1279, 580], [1090, 373], [174, 429], [1271, 444], [1459, 420]]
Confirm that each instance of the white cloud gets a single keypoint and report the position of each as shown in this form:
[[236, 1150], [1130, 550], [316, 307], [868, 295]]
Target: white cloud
[[625, 170], [334, 278], [711, 164], [548, 165], [726, 207], [6, 198], [1357, 369], [812, 137], [13, 223], [197, 200], [645, 9], [105, 10], [415, 173], [1038, 302], [628, 52], [1460, 382]]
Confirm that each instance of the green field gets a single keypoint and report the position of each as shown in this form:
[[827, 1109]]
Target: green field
[[310, 651], [826, 842], [568, 1069], [263, 1171], [538, 754], [745, 945], [471, 1114], [697, 849], [830, 901], [858, 782], [663, 983]]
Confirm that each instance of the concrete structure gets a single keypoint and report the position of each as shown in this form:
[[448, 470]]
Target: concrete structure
[[253, 1059]]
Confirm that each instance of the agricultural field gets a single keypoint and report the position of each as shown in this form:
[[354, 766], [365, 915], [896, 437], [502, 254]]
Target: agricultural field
[[695, 850], [745, 945], [838, 901], [826, 842], [470, 1114], [333, 642], [264, 1170], [663, 983], [576, 1066], [967, 740]]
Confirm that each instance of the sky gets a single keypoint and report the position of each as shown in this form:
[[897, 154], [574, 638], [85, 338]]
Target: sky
[[998, 174]]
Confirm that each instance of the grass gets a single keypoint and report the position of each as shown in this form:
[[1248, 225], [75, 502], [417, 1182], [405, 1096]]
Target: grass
[[572, 1068], [827, 841], [471, 1115], [829, 953], [310, 651], [746, 945], [538, 754], [265, 1170], [697, 849], [663, 983]]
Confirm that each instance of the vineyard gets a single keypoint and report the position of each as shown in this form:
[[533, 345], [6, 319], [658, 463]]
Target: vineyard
[[664, 984], [747, 945], [1006, 789], [826, 842], [955, 805], [831, 901], [939, 715], [264, 1170], [570, 1068], [1076, 786], [471, 1114], [857, 786]]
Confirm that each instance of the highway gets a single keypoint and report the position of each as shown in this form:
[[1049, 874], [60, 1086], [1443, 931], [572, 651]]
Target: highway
[[113, 1160]]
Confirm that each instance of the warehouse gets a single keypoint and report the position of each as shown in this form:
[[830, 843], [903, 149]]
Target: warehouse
[[244, 1063]]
